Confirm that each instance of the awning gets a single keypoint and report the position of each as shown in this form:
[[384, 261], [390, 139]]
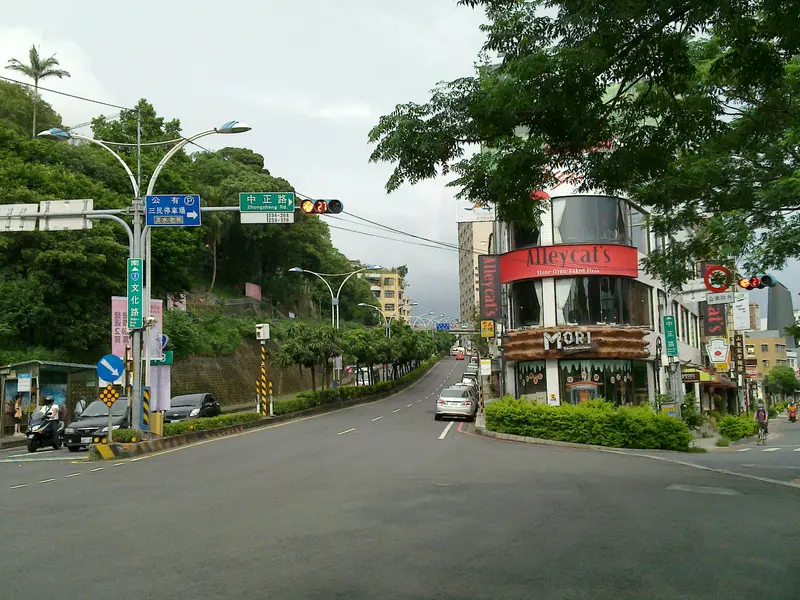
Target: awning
[[711, 378]]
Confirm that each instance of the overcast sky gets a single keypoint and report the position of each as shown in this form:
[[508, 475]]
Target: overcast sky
[[310, 76]]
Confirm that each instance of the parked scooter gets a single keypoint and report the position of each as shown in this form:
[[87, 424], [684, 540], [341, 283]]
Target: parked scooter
[[40, 432]]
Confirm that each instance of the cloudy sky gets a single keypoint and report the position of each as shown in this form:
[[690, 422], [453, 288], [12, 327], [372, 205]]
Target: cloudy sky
[[310, 76]]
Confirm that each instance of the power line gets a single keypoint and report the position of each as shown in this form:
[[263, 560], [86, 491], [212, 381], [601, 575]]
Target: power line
[[26, 84], [392, 239]]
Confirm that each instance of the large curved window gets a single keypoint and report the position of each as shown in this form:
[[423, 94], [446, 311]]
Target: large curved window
[[525, 237], [602, 300], [599, 220], [618, 381], [526, 303]]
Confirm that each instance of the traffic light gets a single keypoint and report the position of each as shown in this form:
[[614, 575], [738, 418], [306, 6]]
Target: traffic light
[[321, 207], [757, 282]]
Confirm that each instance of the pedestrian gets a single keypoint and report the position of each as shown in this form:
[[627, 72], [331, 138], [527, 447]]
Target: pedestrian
[[17, 414]]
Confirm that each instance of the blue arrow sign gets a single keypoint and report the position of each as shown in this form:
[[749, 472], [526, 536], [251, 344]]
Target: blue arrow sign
[[164, 341], [110, 367], [174, 210], [443, 326]]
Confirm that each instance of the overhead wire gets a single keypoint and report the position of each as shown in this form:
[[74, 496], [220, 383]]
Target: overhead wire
[[26, 84]]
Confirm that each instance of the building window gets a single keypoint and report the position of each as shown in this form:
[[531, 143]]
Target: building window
[[389, 306], [602, 300], [388, 294], [765, 364], [377, 293], [780, 349], [639, 233], [662, 309], [751, 350], [526, 298], [589, 220], [684, 325], [525, 237], [764, 348], [676, 314], [781, 363], [388, 281], [531, 382], [619, 381], [693, 332]]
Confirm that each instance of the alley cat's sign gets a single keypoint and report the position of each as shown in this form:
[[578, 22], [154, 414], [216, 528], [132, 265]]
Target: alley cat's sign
[[571, 260]]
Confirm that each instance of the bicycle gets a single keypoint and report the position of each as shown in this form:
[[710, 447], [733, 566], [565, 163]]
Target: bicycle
[[762, 435]]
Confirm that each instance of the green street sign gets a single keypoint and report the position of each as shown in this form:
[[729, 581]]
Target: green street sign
[[670, 336], [135, 276], [266, 202], [166, 358]]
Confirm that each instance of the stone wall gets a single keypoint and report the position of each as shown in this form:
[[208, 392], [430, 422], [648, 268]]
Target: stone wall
[[232, 378]]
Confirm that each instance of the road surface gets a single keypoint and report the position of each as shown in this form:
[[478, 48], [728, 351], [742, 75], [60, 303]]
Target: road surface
[[381, 501]]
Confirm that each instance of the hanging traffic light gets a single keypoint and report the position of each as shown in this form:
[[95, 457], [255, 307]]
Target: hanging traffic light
[[321, 207], [757, 282]]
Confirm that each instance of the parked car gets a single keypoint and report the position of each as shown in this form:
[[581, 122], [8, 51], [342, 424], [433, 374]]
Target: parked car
[[474, 360], [94, 421], [192, 406], [456, 401]]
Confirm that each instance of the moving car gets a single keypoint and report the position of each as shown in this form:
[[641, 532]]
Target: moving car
[[192, 406], [456, 401], [94, 421], [459, 356]]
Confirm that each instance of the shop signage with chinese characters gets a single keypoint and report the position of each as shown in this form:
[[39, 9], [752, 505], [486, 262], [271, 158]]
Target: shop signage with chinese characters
[[487, 329], [569, 261], [738, 353], [569, 342]]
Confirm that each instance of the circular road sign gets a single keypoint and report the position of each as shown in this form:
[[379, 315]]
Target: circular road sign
[[717, 279]]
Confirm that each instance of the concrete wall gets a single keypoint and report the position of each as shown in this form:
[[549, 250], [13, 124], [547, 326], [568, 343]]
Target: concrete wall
[[232, 378]]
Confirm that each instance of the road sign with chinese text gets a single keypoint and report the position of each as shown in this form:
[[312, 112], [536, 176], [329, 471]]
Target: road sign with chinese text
[[670, 336], [135, 270], [174, 210], [266, 202]]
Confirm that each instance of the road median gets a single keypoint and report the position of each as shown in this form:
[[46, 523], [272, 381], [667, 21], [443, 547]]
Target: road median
[[117, 451]]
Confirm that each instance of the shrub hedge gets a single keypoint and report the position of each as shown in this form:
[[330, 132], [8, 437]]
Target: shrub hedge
[[737, 427], [306, 400], [596, 422], [190, 425], [124, 436]]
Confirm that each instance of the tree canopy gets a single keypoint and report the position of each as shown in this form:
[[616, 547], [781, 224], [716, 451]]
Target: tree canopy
[[691, 109]]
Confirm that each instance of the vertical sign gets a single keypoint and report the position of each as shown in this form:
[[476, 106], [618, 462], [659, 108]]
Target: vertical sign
[[741, 313], [135, 317], [487, 329], [670, 336], [713, 320], [119, 327], [738, 354], [489, 284], [156, 329]]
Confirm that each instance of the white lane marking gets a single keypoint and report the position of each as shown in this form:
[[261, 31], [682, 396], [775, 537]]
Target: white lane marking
[[376, 419], [16, 487], [47, 480], [346, 431], [119, 464], [770, 449], [446, 430], [72, 475], [796, 450], [143, 457], [420, 400], [702, 489], [744, 449], [409, 406], [97, 469], [396, 410]]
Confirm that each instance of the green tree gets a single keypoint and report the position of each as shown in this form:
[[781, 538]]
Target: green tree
[[690, 109], [37, 68], [781, 380]]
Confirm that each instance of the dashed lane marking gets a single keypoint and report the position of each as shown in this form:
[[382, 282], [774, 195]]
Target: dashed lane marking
[[21, 485], [72, 475], [744, 449], [97, 469], [376, 419], [119, 464], [702, 489], [409, 406], [770, 449], [396, 410], [346, 431], [47, 480]]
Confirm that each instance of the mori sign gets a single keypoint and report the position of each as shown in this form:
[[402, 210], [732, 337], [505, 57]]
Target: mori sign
[[569, 341]]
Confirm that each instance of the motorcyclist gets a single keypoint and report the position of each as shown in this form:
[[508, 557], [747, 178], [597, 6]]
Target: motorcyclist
[[51, 414], [792, 411], [762, 417]]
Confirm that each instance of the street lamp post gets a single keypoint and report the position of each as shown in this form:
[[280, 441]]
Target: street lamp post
[[335, 297], [383, 314], [136, 235], [418, 317]]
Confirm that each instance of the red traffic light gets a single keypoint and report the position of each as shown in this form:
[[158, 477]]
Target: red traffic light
[[322, 207], [756, 282]]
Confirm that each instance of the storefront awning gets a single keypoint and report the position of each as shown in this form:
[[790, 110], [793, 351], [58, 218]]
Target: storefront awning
[[710, 378]]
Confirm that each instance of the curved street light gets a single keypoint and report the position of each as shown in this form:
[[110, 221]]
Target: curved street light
[[335, 297], [418, 317]]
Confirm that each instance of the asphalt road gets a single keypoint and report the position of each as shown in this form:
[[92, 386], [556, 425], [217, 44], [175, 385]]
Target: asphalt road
[[381, 501]]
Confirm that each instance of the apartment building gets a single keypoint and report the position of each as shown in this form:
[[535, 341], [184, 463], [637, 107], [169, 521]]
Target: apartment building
[[388, 287], [473, 240], [763, 351]]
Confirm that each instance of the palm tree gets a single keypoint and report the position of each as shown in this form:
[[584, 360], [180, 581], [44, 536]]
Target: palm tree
[[37, 70]]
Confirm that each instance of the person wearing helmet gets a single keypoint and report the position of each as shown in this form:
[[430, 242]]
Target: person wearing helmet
[[762, 417], [51, 412]]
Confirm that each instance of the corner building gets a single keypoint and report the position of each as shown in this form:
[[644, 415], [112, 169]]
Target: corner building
[[582, 318]]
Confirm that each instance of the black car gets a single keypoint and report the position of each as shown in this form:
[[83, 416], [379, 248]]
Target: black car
[[94, 421], [192, 406]]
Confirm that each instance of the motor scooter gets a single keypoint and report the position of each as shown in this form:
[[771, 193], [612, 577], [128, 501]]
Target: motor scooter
[[792, 414], [40, 432]]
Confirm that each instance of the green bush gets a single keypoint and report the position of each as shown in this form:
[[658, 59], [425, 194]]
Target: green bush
[[737, 427], [124, 436], [773, 413], [190, 425], [780, 406], [595, 423], [690, 415], [723, 442]]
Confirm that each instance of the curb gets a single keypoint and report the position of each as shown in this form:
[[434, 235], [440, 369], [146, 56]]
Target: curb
[[132, 450], [15, 443], [530, 440]]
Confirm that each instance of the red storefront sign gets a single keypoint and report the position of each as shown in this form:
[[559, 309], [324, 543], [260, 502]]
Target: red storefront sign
[[573, 260], [489, 282]]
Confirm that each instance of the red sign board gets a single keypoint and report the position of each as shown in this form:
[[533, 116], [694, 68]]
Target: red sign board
[[714, 324], [489, 282], [569, 261]]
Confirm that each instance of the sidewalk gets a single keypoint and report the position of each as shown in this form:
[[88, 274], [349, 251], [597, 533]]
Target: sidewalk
[[10, 441]]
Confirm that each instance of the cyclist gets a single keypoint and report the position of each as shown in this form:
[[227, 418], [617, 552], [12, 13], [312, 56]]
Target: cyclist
[[762, 416]]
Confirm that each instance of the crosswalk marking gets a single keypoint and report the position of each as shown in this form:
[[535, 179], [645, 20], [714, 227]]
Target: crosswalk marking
[[744, 449], [770, 449]]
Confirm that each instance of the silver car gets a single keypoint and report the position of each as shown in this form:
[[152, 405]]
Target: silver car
[[456, 401]]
